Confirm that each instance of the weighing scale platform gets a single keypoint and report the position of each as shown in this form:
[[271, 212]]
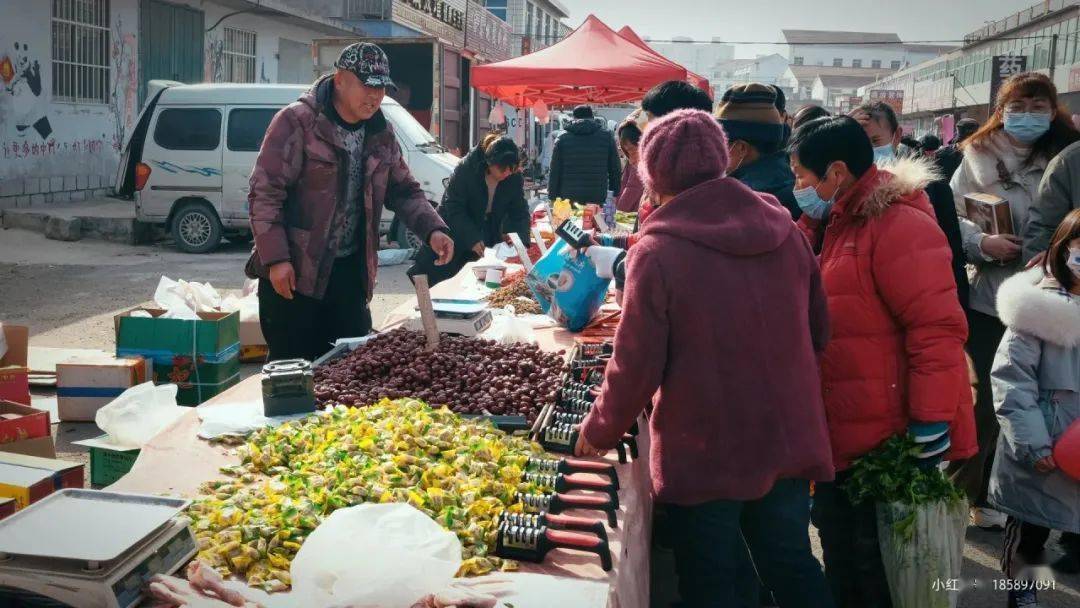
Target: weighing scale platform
[[92, 548]]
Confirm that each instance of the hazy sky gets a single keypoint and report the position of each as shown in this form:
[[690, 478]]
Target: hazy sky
[[756, 20]]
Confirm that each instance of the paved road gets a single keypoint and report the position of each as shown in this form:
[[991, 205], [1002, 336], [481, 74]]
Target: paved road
[[68, 293]]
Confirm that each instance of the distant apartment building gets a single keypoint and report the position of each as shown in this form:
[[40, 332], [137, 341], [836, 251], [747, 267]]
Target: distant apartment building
[[535, 23], [766, 69], [699, 57]]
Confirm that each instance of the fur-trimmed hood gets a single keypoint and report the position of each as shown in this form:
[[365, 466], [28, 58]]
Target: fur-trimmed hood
[[895, 181], [1032, 303]]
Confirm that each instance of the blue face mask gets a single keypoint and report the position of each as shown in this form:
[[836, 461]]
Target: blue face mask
[[811, 202], [884, 154], [1027, 127]]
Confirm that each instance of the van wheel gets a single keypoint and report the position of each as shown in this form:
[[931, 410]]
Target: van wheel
[[406, 239], [196, 228]]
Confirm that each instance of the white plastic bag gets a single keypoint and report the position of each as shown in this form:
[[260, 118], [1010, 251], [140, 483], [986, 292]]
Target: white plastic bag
[[240, 418], [176, 296], [921, 546], [139, 413], [375, 556], [507, 328]]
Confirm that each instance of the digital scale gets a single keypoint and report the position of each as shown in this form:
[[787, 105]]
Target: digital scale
[[467, 318], [92, 548]]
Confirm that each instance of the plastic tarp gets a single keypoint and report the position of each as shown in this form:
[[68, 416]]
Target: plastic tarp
[[594, 65], [698, 81]]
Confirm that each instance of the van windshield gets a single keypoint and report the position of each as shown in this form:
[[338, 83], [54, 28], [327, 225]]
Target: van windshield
[[409, 129]]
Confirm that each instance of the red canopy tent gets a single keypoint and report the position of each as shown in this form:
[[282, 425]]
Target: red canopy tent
[[698, 81], [592, 65]]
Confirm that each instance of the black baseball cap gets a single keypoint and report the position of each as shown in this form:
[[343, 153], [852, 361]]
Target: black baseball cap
[[369, 63]]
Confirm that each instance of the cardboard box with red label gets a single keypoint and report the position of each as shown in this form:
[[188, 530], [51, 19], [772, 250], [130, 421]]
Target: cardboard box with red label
[[14, 373], [28, 479], [85, 385], [21, 422]]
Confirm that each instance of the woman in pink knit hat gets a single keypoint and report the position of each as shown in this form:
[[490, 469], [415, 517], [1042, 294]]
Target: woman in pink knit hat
[[723, 315]]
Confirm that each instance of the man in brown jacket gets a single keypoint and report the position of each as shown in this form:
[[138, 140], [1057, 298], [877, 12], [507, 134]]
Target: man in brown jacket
[[328, 164]]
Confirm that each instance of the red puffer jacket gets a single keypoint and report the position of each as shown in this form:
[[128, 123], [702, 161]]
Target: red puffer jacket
[[898, 331]]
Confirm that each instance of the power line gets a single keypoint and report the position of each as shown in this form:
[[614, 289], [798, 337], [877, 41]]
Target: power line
[[819, 43]]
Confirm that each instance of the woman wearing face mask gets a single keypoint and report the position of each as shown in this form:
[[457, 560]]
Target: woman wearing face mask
[[1006, 157], [1036, 380], [484, 201], [895, 363], [629, 134], [879, 121]]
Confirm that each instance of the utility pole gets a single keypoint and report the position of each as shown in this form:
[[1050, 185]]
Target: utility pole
[[1053, 55]]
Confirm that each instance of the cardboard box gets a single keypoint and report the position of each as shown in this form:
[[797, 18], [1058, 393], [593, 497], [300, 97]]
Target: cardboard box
[[7, 507], [201, 357], [14, 373], [28, 479], [989, 212], [19, 422], [85, 385], [253, 348], [107, 462], [42, 447]]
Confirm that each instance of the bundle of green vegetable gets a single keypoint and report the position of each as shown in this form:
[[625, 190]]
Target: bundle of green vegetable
[[891, 473], [921, 519]]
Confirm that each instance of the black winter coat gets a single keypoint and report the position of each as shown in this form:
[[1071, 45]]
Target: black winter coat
[[464, 209], [941, 197], [584, 164]]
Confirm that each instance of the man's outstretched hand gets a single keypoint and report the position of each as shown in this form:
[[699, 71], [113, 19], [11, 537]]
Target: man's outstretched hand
[[443, 246]]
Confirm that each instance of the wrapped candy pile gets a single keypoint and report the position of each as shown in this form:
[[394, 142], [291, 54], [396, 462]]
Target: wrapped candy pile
[[463, 474]]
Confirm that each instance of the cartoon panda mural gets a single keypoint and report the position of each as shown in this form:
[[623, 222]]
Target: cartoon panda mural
[[23, 81]]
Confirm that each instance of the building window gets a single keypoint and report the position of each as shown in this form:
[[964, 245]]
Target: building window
[[497, 8], [80, 51], [838, 62], [797, 60], [895, 65], [239, 55], [547, 30], [528, 19], [875, 64], [539, 29], [367, 9], [856, 63]]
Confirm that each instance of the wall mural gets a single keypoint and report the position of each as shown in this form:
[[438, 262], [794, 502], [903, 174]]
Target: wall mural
[[21, 75], [125, 82], [215, 59]]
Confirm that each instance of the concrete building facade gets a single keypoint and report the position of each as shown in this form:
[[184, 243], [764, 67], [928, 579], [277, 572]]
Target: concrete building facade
[[74, 76]]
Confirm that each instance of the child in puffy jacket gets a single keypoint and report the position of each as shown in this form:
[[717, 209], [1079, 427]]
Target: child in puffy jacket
[[1036, 385]]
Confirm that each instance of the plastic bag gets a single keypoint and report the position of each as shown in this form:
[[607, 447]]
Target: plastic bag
[[247, 306], [139, 413], [237, 419], [393, 257], [567, 287], [920, 547], [175, 296], [507, 328], [375, 555]]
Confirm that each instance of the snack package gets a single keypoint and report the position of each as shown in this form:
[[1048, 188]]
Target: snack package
[[567, 287]]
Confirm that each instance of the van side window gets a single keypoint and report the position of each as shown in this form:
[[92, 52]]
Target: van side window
[[247, 127], [188, 129]]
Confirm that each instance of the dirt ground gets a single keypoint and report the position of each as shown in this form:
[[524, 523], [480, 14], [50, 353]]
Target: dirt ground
[[68, 293]]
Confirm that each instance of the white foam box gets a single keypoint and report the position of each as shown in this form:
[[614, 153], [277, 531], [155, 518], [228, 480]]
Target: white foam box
[[85, 385]]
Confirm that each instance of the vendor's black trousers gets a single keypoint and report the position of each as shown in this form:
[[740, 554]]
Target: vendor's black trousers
[[973, 475], [306, 328], [849, 541]]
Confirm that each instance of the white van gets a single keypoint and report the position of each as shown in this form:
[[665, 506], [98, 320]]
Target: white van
[[190, 155]]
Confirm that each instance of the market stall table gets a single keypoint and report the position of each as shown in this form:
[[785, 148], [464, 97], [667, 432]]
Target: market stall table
[[177, 462]]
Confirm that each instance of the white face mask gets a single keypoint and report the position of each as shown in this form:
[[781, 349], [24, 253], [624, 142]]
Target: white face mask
[[1074, 261]]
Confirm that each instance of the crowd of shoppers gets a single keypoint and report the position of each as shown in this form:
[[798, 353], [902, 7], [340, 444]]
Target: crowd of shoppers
[[872, 334]]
